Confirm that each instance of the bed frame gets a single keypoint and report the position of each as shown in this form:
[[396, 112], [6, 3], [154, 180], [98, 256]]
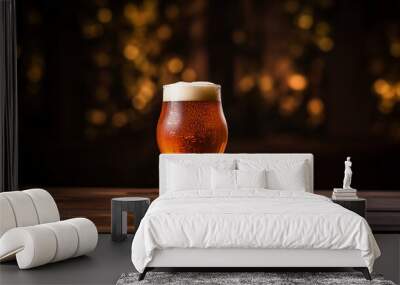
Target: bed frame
[[243, 259], [246, 258]]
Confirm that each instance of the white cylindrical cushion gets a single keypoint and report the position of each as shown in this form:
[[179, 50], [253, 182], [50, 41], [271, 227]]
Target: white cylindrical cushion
[[33, 246], [23, 208], [7, 218], [67, 240], [45, 205], [87, 235]]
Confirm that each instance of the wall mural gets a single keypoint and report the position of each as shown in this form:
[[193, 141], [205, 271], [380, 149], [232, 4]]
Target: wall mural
[[295, 75]]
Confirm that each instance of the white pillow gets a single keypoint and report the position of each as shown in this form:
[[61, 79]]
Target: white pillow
[[236, 179], [251, 178], [184, 176], [291, 175], [223, 179], [188, 177]]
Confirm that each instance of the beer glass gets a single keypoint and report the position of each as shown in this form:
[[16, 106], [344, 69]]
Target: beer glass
[[192, 119]]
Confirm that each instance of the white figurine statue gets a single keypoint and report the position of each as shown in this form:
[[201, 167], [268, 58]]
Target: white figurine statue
[[347, 174]]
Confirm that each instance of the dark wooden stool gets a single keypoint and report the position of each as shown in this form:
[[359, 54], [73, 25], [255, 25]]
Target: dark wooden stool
[[119, 208]]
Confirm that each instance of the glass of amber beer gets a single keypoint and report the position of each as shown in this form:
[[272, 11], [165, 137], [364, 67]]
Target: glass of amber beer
[[192, 119]]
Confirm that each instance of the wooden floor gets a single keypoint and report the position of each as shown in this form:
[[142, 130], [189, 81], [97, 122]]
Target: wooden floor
[[383, 207]]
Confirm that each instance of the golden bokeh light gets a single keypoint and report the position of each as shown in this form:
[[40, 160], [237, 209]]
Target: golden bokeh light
[[386, 106], [119, 119], [315, 107], [164, 32], [305, 21], [141, 16], [131, 52], [288, 105], [391, 94], [395, 48], [381, 86], [246, 83], [283, 66], [189, 74], [297, 82], [149, 69], [265, 83], [175, 65], [397, 89], [291, 6], [384, 89], [92, 30], [130, 10], [153, 47], [147, 89], [270, 97], [104, 15], [325, 44], [139, 102], [322, 29], [97, 117], [35, 73], [142, 93]]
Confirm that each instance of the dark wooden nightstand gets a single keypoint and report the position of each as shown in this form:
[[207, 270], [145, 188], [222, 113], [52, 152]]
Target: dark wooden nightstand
[[358, 205], [119, 216]]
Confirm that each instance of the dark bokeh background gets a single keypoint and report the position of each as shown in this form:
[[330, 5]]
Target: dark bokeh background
[[318, 76]]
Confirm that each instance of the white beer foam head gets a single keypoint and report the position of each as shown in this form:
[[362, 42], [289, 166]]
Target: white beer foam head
[[192, 91]]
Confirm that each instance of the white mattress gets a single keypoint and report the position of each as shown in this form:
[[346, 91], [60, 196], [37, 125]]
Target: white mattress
[[253, 219]]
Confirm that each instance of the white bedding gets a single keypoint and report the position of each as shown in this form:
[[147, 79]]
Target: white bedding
[[250, 218]]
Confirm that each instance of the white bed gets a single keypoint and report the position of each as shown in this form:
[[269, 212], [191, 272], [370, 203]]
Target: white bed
[[248, 227]]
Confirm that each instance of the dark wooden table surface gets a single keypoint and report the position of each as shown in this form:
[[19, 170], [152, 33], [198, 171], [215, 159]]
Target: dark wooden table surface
[[383, 207]]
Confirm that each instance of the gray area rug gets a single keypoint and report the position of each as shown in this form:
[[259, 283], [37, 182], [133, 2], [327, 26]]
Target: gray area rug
[[229, 278]]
